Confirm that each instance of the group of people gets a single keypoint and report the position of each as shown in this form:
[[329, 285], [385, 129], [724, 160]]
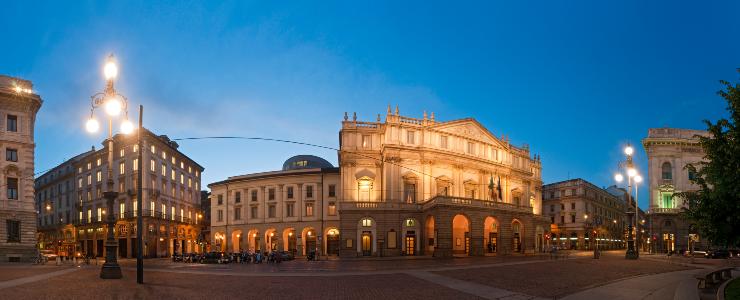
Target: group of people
[[241, 257]]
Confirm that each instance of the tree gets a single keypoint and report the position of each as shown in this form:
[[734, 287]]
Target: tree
[[715, 207]]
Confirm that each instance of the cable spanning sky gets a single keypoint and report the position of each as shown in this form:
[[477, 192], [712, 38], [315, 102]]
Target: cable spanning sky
[[576, 80]]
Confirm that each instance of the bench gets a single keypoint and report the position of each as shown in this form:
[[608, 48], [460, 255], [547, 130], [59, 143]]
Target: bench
[[711, 278]]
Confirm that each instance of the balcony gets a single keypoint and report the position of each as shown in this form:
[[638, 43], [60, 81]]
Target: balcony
[[437, 200], [658, 210]]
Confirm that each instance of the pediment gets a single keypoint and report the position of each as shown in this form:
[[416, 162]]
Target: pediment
[[471, 129]]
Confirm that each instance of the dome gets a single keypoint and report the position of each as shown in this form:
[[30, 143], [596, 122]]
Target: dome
[[305, 162]]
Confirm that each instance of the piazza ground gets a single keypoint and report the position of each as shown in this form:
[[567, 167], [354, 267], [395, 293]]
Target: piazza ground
[[522, 277]]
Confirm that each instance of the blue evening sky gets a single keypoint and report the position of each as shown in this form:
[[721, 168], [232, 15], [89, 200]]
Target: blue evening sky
[[577, 80]]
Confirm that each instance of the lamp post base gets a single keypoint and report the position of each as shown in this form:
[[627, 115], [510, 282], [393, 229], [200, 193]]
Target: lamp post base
[[111, 271], [631, 251]]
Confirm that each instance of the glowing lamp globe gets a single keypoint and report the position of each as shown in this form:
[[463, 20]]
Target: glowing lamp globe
[[618, 177], [629, 150], [127, 127], [631, 172], [110, 70], [113, 107], [92, 125], [638, 178]]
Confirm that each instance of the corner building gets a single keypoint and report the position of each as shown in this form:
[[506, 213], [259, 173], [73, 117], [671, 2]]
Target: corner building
[[669, 150], [404, 186], [72, 210], [18, 108]]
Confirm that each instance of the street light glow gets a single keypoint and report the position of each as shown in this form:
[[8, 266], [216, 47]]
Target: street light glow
[[638, 178], [127, 127], [631, 172], [113, 106], [92, 125], [110, 69], [629, 150], [618, 177]]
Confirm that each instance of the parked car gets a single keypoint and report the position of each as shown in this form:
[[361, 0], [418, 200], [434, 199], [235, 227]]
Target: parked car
[[717, 254], [49, 255], [697, 253], [284, 255]]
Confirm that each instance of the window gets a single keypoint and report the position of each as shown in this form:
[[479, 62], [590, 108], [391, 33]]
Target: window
[[98, 162], [562, 219], [151, 208], [309, 209], [289, 210], [122, 152], [443, 142], [182, 165], [173, 175], [164, 155], [153, 149], [89, 215], [552, 220], [136, 207], [332, 209], [573, 205], [172, 212], [238, 197], [572, 218], [367, 222], [253, 212], [667, 171], [182, 178], [309, 191], [99, 176], [13, 227], [332, 190], [174, 162], [471, 148], [122, 168], [136, 164], [12, 184], [122, 210], [254, 195], [164, 170], [290, 192], [11, 154], [12, 123], [89, 179], [271, 211], [552, 208], [100, 214], [220, 199], [409, 192], [410, 137], [692, 175], [366, 142], [271, 194], [220, 215], [152, 165], [238, 213]]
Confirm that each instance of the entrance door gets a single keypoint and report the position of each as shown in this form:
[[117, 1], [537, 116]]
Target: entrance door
[[410, 243], [100, 248], [492, 242], [332, 245], [121, 247], [367, 246], [517, 243]]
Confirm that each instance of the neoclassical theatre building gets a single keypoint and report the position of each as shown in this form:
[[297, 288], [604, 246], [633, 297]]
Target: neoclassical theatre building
[[404, 186]]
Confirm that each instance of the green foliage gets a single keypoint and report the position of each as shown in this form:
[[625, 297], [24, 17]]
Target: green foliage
[[715, 207]]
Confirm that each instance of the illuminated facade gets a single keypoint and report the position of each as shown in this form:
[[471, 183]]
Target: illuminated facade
[[669, 150], [72, 208], [18, 108], [404, 186], [577, 208]]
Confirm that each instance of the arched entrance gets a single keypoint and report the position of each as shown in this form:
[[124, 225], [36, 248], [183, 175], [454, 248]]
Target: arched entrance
[[253, 239], [411, 235], [236, 240], [431, 235], [539, 239], [289, 236], [460, 235], [490, 235], [271, 240], [309, 240], [516, 236], [219, 241], [332, 241]]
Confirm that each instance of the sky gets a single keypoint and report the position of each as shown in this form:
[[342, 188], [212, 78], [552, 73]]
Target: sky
[[576, 80]]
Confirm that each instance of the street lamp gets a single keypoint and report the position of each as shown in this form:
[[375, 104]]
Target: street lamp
[[113, 103], [632, 176]]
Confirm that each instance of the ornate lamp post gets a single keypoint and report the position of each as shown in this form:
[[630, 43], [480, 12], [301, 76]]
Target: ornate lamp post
[[113, 104], [632, 251]]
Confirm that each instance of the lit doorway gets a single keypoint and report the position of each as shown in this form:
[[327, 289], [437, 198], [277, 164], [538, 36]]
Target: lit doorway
[[367, 239], [410, 243]]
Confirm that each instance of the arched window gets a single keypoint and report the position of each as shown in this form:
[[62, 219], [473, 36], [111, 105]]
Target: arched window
[[364, 187], [667, 171], [367, 222]]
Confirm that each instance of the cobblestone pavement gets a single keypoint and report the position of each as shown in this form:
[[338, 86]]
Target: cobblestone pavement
[[419, 278]]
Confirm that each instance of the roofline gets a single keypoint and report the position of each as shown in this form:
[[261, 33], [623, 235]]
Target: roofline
[[271, 174]]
